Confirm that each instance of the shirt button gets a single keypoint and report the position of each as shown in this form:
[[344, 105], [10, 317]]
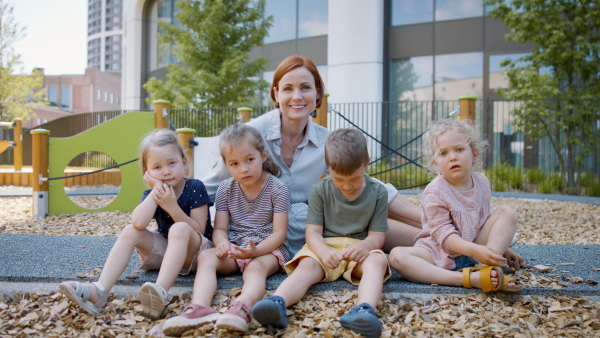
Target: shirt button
[[472, 205], [469, 194], [295, 159]]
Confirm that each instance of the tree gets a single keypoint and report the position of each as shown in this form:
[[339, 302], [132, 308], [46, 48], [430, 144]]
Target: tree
[[18, 92], [559, 80], [212, 47]]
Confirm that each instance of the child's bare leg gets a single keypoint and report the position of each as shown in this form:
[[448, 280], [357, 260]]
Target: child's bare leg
[[119, 256], [399, 234], [402, 210], [416, 265], [371, 273], [205, 284], [183, 245], [499, 230], [255, 278], [294, 287]]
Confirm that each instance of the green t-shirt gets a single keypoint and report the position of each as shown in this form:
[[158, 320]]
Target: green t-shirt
[[328, 207]]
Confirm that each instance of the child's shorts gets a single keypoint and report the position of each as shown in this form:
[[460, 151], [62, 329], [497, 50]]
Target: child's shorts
[[463, 261], [242, 263], [154, 260], [344, 269]]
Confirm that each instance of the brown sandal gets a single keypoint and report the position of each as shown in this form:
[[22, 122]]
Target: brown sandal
[[485, 276]]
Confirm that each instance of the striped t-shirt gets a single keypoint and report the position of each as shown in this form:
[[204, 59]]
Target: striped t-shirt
[[253, 219]]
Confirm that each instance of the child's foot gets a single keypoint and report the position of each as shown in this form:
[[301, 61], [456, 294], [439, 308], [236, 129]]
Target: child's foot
[[270, 311], [362, 320], [153, 299], [192, 316], [236, 318], [90, 297], [489, 278]]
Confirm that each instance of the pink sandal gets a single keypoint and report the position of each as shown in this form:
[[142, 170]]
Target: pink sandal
[[187, 320]]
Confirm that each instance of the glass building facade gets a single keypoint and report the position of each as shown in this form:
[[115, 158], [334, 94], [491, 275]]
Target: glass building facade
[[105, 30]]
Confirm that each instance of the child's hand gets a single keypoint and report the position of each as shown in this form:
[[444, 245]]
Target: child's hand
[[222, 249], [332, 258], [164, 196], [514, 260], [238, 252], [486, 256], [149, 180], [356, 253]]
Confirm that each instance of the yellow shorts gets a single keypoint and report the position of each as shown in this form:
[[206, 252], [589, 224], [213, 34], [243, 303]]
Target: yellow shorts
[[344, 269]]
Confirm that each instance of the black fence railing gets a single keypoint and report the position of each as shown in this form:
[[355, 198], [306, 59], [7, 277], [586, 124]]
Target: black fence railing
[[561, 157]]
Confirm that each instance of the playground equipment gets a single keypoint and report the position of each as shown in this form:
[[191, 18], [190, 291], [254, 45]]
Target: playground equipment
[[16, 144], [119, 138]]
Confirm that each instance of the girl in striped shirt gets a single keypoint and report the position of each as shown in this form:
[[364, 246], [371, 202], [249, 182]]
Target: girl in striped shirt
[[249, 233]]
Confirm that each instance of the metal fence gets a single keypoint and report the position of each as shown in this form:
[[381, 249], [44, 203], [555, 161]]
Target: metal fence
[[540, 162]]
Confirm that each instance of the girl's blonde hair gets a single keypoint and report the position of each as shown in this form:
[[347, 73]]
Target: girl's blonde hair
[[436, 128], [239, 133], [160, 138]]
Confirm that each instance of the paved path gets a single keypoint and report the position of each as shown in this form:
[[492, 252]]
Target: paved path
[[30, 261]]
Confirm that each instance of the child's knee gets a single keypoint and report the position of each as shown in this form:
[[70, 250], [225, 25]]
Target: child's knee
[[508, 213], [398, 256], [179, 229]]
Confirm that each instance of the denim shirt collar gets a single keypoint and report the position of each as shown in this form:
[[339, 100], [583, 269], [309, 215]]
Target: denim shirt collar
[[274, 132]]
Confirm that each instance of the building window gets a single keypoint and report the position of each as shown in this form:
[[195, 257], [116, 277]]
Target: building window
[[284, 20], [112, 99], [457, 9], [408, 12], [65, 97], [52, 95], [497, 79], [412, 79], [458, 72], [105, 96], [312, 18], [99, 95]]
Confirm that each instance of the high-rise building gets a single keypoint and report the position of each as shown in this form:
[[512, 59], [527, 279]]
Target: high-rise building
[[105, 35]]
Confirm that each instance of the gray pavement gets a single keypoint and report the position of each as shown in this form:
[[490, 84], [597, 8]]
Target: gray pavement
[[28, 262]]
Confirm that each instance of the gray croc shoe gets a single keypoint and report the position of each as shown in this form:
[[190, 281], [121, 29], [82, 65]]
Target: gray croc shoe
[[153, 299], [81, 295]]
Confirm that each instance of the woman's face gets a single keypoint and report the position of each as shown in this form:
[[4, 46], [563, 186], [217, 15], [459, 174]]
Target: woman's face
[[296, 94]]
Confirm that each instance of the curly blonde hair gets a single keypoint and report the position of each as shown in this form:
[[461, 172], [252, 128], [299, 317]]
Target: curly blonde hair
[[478, 146]]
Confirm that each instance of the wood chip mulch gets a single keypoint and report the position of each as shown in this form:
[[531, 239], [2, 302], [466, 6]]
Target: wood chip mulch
[[50, 314]]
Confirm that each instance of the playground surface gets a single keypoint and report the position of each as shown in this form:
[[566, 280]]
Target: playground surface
[[34, 261]]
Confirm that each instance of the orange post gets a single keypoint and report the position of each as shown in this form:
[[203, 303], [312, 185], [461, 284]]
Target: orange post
[[161, 111], [39, 157], [321, 118], [185, 135], [245, 113], [18, 150], [467, 108]]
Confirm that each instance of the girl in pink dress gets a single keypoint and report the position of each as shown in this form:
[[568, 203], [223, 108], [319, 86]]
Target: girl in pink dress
[[459, 228]]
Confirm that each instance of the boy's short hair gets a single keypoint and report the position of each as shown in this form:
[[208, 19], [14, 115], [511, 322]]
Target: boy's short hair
[[346, 150]]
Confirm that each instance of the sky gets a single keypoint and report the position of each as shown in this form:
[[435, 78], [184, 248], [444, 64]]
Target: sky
[[55, 35]]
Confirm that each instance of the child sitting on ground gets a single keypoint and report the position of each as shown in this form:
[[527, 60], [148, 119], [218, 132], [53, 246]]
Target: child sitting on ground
[[250, 228], [459, 229], [345, 230], [180, 208]]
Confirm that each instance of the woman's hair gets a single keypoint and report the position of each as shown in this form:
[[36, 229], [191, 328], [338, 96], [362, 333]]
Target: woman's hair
[[346, 150], [159, 138], [239, 133], [466, 127], [290, 63]]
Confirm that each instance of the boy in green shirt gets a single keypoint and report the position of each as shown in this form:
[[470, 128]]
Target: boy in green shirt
[[345, 231]]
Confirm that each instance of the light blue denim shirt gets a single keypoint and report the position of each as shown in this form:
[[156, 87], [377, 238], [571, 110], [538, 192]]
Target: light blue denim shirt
[[307, 168]]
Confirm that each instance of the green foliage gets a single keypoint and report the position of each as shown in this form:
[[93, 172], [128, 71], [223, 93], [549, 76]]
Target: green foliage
[[213, 46], [18, 92], [404, 177], [535, 176], [506, 176], [591, 183], [563, 64]]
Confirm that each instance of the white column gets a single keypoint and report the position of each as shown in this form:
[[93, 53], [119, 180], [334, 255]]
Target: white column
[[355, 51], [132, 53]]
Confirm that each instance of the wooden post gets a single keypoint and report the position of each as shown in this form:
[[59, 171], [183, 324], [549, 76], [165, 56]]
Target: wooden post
[[39, 159], [245, 113], [321, 118], [161, 111], [18, 150], [467, 108], [185, 135]]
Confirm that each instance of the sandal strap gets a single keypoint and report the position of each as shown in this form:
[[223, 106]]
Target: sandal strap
[[466, 277], [82, 291], [485, 276], [239, 305], [100, 288]]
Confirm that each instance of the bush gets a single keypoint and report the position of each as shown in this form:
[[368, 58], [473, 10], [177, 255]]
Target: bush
[[535, 176]]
